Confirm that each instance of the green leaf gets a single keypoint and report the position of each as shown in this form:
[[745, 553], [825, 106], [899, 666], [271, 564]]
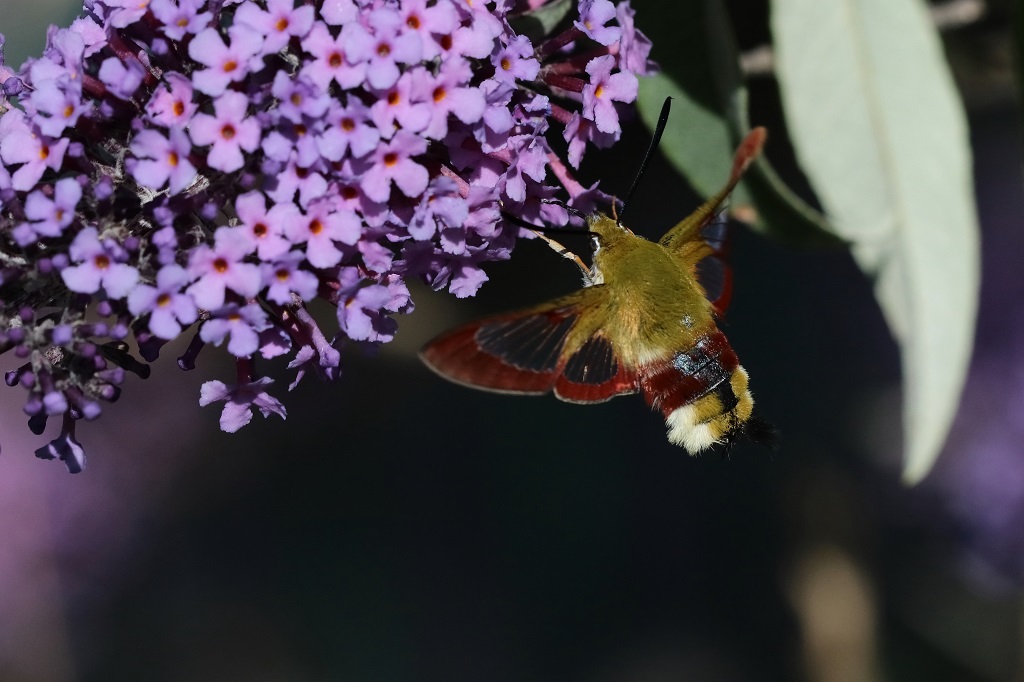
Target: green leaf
[[880, 132], [542, 21], [701, 73]]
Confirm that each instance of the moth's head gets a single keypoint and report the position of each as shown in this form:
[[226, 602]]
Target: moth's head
[[606, 231]]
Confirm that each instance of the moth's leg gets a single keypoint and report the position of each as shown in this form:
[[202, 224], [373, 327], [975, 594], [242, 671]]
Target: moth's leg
[[565, 253]]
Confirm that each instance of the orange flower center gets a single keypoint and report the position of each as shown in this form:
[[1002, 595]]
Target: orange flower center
[[220, 265]]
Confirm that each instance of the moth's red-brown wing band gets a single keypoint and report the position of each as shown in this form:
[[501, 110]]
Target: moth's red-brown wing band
[[594, 374], [513, 353], [524, 353]]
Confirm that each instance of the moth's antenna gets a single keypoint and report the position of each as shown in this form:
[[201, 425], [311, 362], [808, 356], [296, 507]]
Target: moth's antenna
[[655, 139]]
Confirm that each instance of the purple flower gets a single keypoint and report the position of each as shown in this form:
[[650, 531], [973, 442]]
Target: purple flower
[[98, 266], [58, 106], [436, 20], [594, 15], [280, 22], [440, 206], [603, 89], [35, 153], [122, 79], [515, 61], [297, 178], [159, 160], [227, 63], [229, 130], [123, 13], [180, 18], [348, 131], [241, 400], [239, 324], [285, 279], [579, 132], [49, 216], [392, 162], [65, 448], [384, 47], [299, 98], [360, 313], [266, 228], [320, 228], [634, 47], [339, 12], [467, 280], [221, 267], [330, 62], [530, 161], [171, 105], [168, 308], [398, 106], [445, 94], [93, 36]]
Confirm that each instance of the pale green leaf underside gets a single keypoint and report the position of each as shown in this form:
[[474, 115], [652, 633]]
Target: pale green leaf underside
[[881, 134]]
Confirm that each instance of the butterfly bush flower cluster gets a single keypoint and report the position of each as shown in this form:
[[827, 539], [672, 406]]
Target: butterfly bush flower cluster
[[212, 167]]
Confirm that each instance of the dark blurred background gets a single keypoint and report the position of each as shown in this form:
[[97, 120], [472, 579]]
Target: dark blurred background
[[397, 527]]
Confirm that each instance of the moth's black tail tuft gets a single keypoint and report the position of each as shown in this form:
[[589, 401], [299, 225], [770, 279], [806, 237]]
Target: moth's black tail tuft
[[756, 430], [761, 432]]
